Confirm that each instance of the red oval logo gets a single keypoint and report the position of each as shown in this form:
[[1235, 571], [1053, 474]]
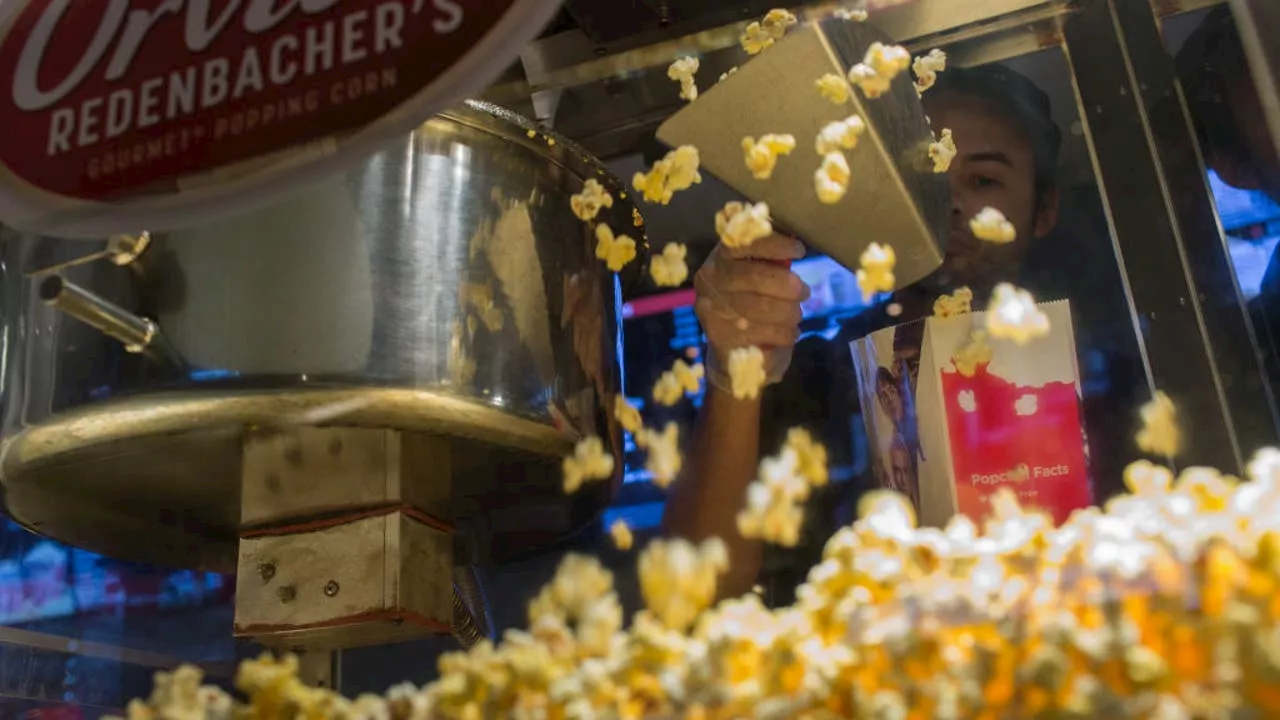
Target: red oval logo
[[119, 100]]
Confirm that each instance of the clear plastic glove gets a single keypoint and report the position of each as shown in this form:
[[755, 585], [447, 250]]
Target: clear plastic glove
[[747, 296]]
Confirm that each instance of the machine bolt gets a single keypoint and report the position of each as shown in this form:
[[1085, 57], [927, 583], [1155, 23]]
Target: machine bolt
[[267, 571], [287, 593], [331, 588]]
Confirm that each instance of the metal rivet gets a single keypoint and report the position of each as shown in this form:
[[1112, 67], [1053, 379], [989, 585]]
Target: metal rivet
[[331, 588], [267, 571], [287, 593]]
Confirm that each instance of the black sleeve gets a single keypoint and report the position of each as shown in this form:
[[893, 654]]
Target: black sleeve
[[818, 393]]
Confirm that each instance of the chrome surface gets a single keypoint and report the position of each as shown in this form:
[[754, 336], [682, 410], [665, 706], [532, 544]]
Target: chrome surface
[[136, 333], [443, 285]]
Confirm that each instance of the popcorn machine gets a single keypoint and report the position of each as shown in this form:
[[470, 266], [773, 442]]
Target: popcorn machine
[[343, 363]]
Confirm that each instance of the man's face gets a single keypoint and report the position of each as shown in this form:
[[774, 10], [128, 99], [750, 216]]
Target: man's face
[[890, 401], [995, 167]]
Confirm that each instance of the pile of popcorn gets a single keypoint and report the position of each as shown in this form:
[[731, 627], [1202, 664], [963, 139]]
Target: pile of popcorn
[[1163, 605]]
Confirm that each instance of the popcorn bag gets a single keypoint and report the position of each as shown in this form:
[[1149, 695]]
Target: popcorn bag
[[949, 436]]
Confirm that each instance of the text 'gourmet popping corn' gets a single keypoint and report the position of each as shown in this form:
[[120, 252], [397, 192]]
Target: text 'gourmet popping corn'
[[683, 71], [747, 374], [840, 135], [959, 302], [762, 156], [831, 180], [1159, 434], [927, 67], [834, 88], [760, 35], [615, 250], [682, 379], [740, 224], [676, 171], [586, 204], [1163, 605], [943, 151], [875, 271], [991, 225], [774, 509], [669, 268], [1013, 315], [589, 461], [882, 63]]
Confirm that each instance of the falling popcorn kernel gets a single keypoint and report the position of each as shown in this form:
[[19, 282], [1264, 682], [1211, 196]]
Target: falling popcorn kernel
[[761, 157], [669, 268], [776, 22], [1013, 315], [531, 133], [973, 354], [834, 88], [942, 152], [875, 274], [1159, 434], [957, 303], [676, 171], [727, 73], [627, 414], [663, 460], [1026, 405], [739, 224], [746, 372], [967, 400], [831, 181], [840, 135], [927, 67], [615, 251], [755, 39], [683, 71], [990, 225], [882, 63], [678, 579], [675, 383], [586, 204], [588, 462], [851, 14], [621, 534]]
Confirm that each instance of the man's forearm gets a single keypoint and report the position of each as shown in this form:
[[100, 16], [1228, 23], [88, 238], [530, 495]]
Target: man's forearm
[[720, 463]]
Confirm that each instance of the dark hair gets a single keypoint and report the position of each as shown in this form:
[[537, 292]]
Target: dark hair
[[1210, 62], [1021, 101], [884, 375]]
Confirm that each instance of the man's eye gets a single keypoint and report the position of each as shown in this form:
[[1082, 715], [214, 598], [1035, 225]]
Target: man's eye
[[985, 181]]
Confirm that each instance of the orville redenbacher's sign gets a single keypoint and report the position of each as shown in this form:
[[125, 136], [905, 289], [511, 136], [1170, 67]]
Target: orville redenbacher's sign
[[120, 114]]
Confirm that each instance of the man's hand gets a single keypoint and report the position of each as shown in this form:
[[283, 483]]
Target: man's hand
[[747, 297]]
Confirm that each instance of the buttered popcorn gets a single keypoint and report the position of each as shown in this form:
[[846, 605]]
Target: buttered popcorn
[[663, 459], [181, 694], [615, 250], [775, 501], [621, 535], [831, 181], [587, 204], [1159, 434], [991, 225], [856, 15], [724, 75], [840, 135], [683, 71], [959, 302], [747, 375], [676, 171], [588, 462], [875, 273], [973, 354], [762, 156], [834, 88], [682, 379], [1159, 606], [1013, 315], [927, 67], [942, 152], [669, 268], [879, 67], [627, 415], [760, 35], [740, 224]]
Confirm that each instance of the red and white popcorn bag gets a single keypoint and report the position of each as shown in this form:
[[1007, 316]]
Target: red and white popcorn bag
[[952, 415]]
